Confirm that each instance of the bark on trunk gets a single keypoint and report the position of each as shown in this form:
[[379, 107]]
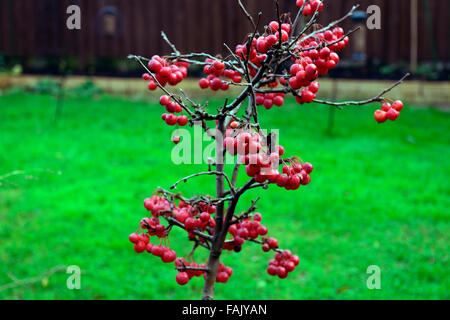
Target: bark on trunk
[[219, 238]]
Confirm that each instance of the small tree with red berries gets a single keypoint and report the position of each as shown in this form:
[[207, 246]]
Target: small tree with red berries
[[287, 57]]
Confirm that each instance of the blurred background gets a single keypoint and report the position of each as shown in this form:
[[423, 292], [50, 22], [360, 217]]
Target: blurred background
[[81, 145]]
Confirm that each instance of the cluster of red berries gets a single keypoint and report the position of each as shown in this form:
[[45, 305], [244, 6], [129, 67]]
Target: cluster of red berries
[[255, 57], [312, 64], [268, 100], [156, 205], [310, 7], [172, 107], [269, 244], [215, 69], [283, 263], [165, 72], [248, 228], [263, 166], [264, 43], [142, 243], [183, 277], [242, 143], [198, 217], [166, 254], [259, 165], [388, 111], [331, 39], [224, 273], [153, 227], [261, 45], [193, 217], [295, 175]]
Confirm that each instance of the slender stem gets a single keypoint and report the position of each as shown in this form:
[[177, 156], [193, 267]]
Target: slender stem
[[249, 17], [202, 174]]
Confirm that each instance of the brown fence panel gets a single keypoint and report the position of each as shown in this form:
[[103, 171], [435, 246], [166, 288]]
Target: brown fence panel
[[38, 28]]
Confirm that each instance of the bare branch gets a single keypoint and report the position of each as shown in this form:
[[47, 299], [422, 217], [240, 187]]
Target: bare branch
[[164, 36], [177, 223], [25, 282], [202, 174], [377, 98], [249, 17]]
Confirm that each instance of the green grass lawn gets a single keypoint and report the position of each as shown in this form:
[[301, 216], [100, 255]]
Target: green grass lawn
[[380, 195]]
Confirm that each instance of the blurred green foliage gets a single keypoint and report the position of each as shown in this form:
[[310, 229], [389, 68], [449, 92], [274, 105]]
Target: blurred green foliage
[[379, 196]]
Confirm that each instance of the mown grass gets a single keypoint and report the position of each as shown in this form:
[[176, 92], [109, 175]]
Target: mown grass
[[380, 195]]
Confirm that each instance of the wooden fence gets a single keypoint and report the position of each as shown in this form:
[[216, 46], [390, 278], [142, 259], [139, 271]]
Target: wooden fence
[[30, 28]]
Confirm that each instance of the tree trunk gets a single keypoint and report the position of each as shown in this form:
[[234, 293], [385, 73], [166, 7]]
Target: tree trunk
[[219, 235]]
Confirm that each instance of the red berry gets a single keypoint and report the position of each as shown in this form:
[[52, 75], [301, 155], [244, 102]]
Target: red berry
[[278, 101], [140, 247], [157, 251], [262, 230], [380, 116], [190, 223], [164, 100], [182, 120], [272, 270], [257, 216], [165, 72], [299, 3], [176, 139], [307, 96], [311, 71], [219, 65], [295, 259], [134, 238], [397, 105], [290, 266], [169, 256], [274, 26], [273, 243], [204, 83], [314, 87], [205, 216], [222, 277], [152, 85], [149, 247], [386, 106], [392, 114], [182, 278], [281, 272], [229, 270], [238, 241], [308, 167]]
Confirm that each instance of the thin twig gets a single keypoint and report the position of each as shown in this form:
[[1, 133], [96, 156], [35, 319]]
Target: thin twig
[[30, 281], [377, 98], [249, 17], [205, 173], [164, 36]]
